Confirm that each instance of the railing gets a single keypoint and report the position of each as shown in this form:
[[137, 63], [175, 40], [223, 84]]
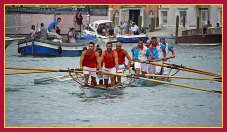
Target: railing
[[211, 30]]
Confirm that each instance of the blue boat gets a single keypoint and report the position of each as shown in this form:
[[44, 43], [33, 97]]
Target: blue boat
[[54, 47], [132, 38]]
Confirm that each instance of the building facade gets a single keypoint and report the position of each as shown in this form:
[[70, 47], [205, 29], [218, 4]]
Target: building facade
[[211, 13], [140, 14]]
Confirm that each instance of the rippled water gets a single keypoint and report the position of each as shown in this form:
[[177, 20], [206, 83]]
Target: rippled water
[[61, 103]]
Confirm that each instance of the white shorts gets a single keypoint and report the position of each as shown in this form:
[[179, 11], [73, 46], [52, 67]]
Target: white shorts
[[93, 74], [150, 69], [121, 68], [158, 68], [111, 70], [166, 71], [142, 66]]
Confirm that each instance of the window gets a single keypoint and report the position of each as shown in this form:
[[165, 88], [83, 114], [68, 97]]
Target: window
[[116, 20], [151, 14], [164, 17], [182, 14], [220, 17], [204, 16]]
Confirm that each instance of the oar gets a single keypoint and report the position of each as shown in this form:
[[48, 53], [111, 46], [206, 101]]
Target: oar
[[193, 69], [183, 77], [173, 67], [182, 85], [160, 59], [32, 72], [164, 82], [46, 79], [45, 69], [155, 60]]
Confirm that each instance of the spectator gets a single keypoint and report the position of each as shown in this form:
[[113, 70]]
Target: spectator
[[53, 25]]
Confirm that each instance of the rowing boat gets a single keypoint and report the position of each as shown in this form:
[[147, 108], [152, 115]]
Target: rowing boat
[[97, 91]]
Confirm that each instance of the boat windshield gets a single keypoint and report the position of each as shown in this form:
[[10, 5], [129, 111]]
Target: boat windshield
[[90, 29]]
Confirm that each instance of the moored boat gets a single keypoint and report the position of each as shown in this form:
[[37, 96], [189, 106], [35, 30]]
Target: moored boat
[[8, 41], [132, 38], [93, 28], [54, 47]]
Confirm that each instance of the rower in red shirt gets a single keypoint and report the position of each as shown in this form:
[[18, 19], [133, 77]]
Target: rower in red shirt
[[110, 60], [122, 53], [88, 61], [99, 75]]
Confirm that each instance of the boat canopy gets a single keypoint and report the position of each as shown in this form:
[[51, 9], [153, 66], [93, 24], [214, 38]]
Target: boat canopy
[[98, 23]]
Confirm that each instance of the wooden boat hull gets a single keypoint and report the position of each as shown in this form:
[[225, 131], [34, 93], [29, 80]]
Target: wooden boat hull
[[90, 91]]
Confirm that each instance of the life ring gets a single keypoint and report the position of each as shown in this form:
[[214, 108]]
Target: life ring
[[59, 50]]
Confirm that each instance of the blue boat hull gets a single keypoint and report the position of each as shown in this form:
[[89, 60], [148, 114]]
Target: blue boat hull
[[46, 48], [45, 51], [131, 40]]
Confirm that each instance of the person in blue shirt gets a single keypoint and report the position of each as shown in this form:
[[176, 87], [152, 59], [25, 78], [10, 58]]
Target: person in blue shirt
[[158, 50], [140, 53], [168, 48], [150, 67], [125, 27], [53, 25]]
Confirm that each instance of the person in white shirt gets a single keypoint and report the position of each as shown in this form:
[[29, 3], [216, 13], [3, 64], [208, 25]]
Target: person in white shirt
[[135, 29], [32, 32], [72, 35]]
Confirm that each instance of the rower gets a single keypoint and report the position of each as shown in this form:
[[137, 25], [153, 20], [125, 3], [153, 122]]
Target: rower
[[122, 53], [150, 67], [100, 76], [110, 60], [88, 61], [168, 48], [140, 53], [159, 52]]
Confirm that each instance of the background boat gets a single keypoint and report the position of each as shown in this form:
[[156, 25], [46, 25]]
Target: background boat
[[132, 38], [8, 41], [53, 47]]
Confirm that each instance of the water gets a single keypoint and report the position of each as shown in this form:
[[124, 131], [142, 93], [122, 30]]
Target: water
[[63, 104]]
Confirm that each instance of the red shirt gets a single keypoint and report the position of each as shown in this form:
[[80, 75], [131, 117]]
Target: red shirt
[[121, 57], [90, 60], [109, 61]]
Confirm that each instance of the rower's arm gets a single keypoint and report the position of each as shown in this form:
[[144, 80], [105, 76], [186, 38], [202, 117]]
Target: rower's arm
[[98, 60], [173, 53], [116, 60], [128, 57], [82, 59], [164, 52], [102, 57], [132, 55]]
